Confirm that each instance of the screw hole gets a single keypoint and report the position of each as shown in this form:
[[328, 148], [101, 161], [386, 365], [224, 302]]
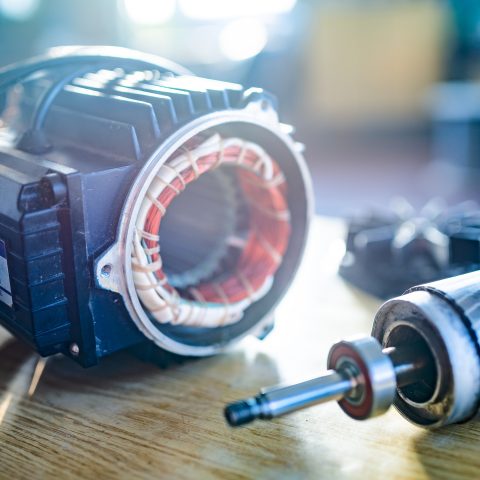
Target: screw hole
[[106, 270], [264, 105]]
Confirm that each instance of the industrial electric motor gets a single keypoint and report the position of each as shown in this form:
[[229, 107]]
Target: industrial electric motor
[[142, 205]]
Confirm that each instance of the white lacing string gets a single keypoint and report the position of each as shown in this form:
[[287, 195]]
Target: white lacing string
[[283, 215], [193, 162], [226, 303], [276, 257], [177, 174], [221, 154], [168, 185], [159, 206], [152, 251], [246, 285], [159, 299], [148, 235]]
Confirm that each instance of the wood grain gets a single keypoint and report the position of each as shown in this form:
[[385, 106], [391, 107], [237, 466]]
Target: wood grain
[[128, 419]]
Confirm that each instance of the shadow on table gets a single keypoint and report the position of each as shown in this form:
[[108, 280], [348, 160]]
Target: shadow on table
[[124, 381], [13, 355], [19, 359], [147, 416]]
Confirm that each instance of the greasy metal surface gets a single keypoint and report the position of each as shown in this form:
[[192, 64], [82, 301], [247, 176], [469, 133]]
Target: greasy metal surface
[[282, 400], [126, 419], [376, 376], [455, 397]]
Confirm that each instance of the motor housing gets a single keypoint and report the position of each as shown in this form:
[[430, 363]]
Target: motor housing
[[70, 189]]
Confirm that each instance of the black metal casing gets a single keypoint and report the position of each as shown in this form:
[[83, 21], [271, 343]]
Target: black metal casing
[[60, 210]]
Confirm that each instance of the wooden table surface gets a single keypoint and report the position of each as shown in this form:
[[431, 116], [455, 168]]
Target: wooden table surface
[[129, 419]]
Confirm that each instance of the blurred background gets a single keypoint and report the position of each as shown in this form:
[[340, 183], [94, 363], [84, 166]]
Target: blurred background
[[383, 93]]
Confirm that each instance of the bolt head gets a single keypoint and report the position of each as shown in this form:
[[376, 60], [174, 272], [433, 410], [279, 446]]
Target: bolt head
[[74, 349]]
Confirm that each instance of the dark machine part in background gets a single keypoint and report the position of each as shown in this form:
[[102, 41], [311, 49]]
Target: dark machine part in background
[[388, 251], [78, 130]]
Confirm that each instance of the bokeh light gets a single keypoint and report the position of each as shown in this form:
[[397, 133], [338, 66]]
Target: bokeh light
[[215, 9], [149, 12], [242, 39]]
